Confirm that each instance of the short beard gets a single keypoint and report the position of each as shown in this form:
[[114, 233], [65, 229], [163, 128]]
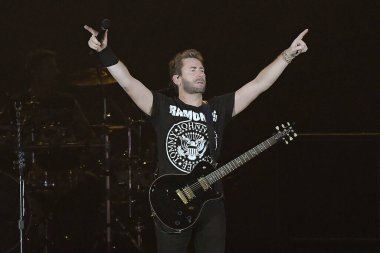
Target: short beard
[[192, 89]]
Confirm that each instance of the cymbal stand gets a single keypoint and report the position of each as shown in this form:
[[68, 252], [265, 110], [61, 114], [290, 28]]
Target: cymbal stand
[[130, 200], [137, 242], [139, 228], [21, 166], [107, 167], [107, 149]]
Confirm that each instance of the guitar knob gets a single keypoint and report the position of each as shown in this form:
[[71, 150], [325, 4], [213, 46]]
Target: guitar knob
[[177, 222], [179, 212], [188, 219]]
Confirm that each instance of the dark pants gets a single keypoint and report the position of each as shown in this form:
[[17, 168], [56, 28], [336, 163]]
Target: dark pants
[[208, 233]]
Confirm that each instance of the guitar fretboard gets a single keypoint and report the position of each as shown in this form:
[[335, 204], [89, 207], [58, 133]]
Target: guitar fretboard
[[242, 159]]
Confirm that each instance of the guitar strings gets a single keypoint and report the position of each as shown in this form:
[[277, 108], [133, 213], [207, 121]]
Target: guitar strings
[[232, 165]]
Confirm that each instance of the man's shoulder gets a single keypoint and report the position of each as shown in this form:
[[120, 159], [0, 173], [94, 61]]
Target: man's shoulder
[[162, 96], [222, 98]]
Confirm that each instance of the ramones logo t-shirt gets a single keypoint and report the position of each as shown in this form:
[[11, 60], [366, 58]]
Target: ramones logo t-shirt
[[181, 131]]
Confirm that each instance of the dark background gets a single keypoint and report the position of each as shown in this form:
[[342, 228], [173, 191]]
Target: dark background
[[319, 195]]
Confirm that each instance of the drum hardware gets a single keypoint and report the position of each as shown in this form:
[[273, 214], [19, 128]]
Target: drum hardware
[[21, 168], [108, 128], [105, 128], [38, 178], [48, 185], [129, 155], [76, 145], [135, 240], [101, 79], [45, 183], [130, 177], [9, 232], [93, 77]]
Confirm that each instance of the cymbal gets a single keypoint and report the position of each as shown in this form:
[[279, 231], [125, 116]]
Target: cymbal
[[43, 146], [131, 122], [108, 127], [32, 102], [138, 121], [93, 77]]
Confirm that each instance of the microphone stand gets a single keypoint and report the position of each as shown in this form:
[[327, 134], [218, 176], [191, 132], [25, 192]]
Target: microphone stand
[[21, 166]]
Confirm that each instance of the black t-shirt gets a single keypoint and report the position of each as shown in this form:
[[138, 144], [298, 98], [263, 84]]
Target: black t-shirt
[[181, 131]]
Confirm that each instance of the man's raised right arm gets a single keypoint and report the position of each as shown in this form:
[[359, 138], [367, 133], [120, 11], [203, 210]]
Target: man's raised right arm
[[140, 94]]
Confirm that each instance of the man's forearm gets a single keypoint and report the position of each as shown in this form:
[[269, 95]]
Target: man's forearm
[[270, 74], [265, 79], [141, 95], [121, 74]]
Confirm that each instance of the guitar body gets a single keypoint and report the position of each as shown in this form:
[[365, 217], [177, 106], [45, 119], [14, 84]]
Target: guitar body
[[169, 208]]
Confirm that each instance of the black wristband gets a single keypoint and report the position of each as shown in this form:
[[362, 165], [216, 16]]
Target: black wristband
[[108, 57]]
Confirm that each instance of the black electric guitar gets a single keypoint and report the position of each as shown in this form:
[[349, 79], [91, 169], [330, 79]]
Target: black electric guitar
[[177, 200]]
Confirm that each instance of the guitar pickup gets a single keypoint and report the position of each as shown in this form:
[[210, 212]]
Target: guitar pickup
[[204, 183], [182, 196]]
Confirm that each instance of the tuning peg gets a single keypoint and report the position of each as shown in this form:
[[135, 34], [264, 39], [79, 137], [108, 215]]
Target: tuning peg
[[295, 134], [277, 128], [282, 125], [290, 138]]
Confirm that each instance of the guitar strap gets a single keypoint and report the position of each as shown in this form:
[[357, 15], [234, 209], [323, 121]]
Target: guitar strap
[[210, 131]]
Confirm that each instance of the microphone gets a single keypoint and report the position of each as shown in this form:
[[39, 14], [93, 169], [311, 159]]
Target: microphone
[[104, 25]]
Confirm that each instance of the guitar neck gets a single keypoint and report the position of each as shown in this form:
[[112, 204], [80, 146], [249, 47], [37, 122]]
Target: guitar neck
[[242, 159]]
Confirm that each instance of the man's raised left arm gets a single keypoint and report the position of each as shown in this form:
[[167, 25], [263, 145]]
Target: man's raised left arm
[[265, 79]]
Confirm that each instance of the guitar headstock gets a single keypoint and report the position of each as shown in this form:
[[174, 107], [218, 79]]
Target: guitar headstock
[[286, 132]]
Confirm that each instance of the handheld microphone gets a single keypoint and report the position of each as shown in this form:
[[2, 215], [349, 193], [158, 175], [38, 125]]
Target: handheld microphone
[[104, 25]]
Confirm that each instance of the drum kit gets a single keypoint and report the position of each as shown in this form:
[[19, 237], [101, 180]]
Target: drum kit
[[62, 191]]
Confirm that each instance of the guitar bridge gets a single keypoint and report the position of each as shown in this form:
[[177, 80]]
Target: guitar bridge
[[189, 193], [204, 183]]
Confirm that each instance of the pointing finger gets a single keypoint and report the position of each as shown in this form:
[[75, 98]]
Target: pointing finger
[[91, 30], [302, 34]]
